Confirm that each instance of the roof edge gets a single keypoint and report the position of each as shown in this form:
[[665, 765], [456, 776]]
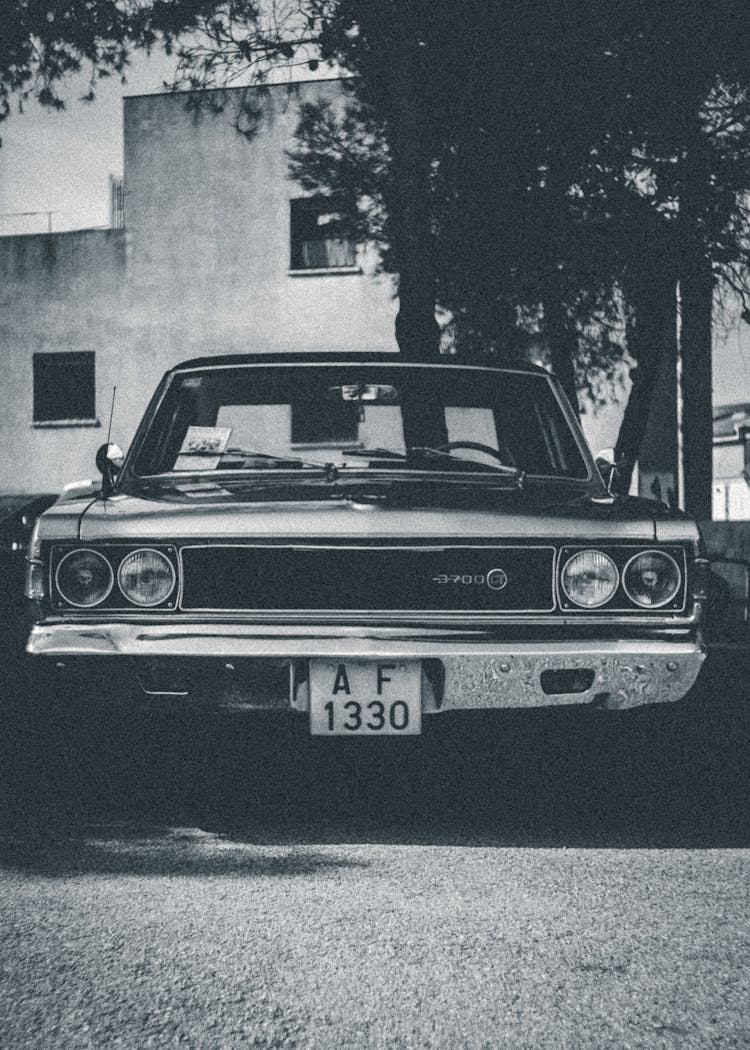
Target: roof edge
[[335, 357]]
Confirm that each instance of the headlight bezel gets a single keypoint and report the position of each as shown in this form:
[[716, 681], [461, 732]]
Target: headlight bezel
[[116, 600], [623, 554]]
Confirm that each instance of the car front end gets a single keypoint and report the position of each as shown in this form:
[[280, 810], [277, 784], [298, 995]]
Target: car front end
[[367, 544]]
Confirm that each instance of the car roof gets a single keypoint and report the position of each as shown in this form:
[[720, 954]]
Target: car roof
[[340, 358]]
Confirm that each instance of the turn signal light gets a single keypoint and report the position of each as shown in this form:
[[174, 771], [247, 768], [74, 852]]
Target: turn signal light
[[34, 586]]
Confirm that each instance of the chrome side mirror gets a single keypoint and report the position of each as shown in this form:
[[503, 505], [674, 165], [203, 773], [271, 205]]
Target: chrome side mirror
[[109, 460], [608, 464]]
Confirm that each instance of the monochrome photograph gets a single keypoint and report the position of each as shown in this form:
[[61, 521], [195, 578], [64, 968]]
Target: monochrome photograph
[[374, 524]]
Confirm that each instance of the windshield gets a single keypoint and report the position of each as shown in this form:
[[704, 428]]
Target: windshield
[[359, 418]]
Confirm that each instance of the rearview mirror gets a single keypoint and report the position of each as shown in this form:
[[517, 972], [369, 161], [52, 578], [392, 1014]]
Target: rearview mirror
[[109, 460], [365, 393]]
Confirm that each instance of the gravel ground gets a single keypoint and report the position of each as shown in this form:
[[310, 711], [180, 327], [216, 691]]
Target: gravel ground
[[152, 937]]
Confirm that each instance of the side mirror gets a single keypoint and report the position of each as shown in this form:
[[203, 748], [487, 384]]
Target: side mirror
[[109, 460], [608, 464]]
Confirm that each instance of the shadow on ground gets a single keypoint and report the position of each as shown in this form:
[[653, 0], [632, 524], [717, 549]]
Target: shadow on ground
[[672, 775], [138, 850]]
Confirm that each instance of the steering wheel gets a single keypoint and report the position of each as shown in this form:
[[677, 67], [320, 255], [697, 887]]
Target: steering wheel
[[477, 446]]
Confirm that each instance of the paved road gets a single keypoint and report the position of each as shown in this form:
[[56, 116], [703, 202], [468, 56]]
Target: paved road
[[138, 937], [556, 879]]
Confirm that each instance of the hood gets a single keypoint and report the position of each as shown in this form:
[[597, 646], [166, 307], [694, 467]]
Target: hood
[[398, 512]]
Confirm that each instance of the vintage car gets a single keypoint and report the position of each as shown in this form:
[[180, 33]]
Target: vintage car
[[367, 542]]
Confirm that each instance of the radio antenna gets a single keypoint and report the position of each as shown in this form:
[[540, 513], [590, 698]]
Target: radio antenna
[[111, 413]]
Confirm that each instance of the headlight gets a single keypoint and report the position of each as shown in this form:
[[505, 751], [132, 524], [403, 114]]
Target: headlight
[[651, 579], [146, 577], [84, 578], [589, 579]]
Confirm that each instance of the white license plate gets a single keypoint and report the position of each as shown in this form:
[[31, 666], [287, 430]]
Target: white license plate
[[365, 698]]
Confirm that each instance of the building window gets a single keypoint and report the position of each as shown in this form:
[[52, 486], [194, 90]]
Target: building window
[[338, 425], [314, 243], [64, 388]]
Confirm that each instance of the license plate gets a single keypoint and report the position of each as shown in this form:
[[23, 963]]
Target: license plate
[[365, 698]]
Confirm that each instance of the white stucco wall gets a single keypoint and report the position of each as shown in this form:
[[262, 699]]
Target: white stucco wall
[[202, 268]]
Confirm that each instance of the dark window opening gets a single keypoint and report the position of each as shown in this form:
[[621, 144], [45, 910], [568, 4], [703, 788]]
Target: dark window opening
[[64, 387], [337, 424], [316, 241]]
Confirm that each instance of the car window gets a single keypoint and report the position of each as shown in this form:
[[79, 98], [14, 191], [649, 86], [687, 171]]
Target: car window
[[248, 417], [266, 427]]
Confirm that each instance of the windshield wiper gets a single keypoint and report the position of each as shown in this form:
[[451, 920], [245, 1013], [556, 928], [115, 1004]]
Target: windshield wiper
[[270, 457], [374, 453], [426, 452], [271, 462]]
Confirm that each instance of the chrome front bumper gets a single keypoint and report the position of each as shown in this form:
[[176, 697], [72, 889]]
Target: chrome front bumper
[[472, 672]]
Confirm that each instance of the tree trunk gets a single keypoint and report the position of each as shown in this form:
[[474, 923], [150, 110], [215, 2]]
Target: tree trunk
[[417, 331], [650, 338], [696, 294], [563, 344], [410, 213], [559, 328]]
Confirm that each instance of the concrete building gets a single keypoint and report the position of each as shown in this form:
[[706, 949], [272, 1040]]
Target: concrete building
[[220, 253]]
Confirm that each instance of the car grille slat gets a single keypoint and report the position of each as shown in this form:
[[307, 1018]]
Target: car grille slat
[[462, 578]]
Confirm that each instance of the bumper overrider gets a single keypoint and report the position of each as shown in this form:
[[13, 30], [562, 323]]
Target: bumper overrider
[[266, 667]]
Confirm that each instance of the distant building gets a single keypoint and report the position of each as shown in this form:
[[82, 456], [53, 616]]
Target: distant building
[[212, 250], [731, 488]]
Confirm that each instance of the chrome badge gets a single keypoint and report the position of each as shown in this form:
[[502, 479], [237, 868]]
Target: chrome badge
[[495, 579]]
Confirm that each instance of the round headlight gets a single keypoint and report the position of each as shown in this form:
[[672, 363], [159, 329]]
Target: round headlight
[[146, 577], [84, 578], [651, 579], [589, 579]]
